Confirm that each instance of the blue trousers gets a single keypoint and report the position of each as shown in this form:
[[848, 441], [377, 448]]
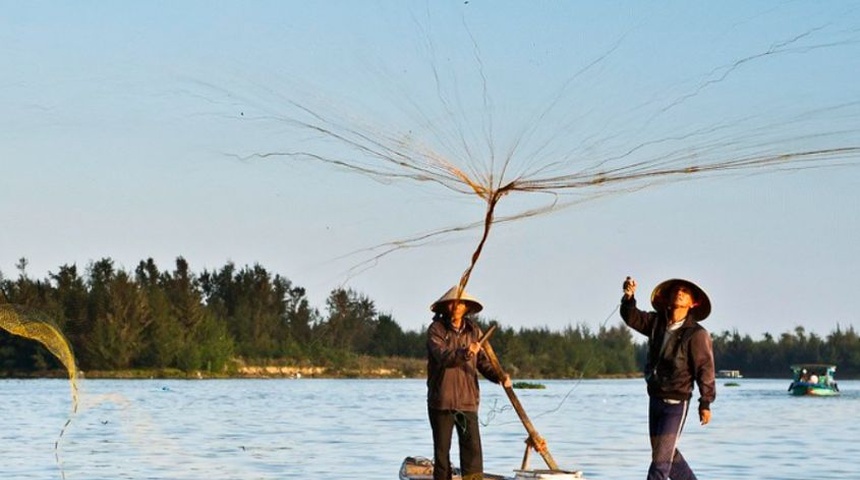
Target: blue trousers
[[665, 423], [443, 423]]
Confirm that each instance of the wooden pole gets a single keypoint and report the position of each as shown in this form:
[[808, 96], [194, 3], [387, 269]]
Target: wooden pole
[[534, 437]]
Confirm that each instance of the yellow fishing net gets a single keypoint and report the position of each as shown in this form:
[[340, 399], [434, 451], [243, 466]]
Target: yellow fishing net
[[14, 320], [17, 321]]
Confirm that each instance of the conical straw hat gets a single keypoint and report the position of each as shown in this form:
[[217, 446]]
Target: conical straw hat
[[660, 297], [471, 302]]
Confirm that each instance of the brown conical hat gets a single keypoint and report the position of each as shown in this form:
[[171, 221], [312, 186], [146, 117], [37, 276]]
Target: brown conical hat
[[660, 297], [471, 302]]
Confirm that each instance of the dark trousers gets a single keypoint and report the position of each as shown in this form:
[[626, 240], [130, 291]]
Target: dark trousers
[[443, 422], [665, 423]]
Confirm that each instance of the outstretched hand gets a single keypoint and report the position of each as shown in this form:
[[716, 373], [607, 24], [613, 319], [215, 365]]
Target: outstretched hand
[[629, 287]]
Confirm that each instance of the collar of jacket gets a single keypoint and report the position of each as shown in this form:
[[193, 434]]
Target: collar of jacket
[[689, 321], [467, 325]]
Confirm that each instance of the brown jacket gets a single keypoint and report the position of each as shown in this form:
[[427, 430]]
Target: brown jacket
[[688, 356], [452, 375]]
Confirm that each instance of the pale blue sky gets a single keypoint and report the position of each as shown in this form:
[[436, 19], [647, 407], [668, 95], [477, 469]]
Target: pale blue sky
[[122, 122]]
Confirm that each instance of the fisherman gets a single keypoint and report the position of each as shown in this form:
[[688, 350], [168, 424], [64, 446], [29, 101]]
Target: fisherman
[[454, 358], [680, 353]]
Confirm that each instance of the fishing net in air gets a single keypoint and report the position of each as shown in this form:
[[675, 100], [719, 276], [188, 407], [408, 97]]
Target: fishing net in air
[[32, 326], [454, 131]]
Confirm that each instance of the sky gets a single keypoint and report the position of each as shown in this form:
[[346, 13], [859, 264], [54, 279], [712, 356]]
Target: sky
[[135, 130]]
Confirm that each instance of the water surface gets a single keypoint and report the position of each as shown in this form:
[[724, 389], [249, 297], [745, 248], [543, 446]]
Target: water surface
[[362, 429]]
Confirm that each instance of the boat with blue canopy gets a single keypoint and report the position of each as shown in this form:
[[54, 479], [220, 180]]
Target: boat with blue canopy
[[816, 379]]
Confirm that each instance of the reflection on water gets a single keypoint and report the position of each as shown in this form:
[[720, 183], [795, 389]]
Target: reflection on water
[[362, 429]]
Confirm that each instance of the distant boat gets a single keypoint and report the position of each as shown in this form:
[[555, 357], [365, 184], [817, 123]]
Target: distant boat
[[729, 374], [814, 379]]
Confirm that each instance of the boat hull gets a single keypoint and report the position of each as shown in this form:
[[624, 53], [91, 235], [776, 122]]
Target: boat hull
[[420, 468], [813, 390]]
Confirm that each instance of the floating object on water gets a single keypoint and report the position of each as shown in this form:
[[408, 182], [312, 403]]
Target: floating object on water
[[814, 379], [529, 385]]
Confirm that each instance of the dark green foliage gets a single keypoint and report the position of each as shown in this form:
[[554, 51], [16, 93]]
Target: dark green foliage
[[168, 320], [528, 386], [351, 322], [571, 353], [772, 358]]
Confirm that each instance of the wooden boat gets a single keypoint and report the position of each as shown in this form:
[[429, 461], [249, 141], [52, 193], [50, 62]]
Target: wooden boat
[[813, 379], [421, 468]]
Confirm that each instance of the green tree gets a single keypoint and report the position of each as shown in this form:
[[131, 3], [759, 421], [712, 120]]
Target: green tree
[[300, 319], [117, 335], [387, 338], [350, 323], [164, 337]]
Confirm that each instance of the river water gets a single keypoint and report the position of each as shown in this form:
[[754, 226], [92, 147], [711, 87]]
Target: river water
[[362, 429]]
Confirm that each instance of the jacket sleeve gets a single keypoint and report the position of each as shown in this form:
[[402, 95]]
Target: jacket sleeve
[[702, 352], [638, 320], [486, 368], [483, 363], [437, 347]]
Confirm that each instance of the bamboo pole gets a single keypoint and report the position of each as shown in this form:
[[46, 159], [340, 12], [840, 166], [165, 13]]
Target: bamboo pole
[[534, 438]]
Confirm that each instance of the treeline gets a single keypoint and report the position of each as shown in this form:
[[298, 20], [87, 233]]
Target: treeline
[[152, 319], [772, 357]]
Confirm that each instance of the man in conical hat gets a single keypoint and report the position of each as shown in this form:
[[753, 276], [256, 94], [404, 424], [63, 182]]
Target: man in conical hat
[[454, 358], [680, 354]]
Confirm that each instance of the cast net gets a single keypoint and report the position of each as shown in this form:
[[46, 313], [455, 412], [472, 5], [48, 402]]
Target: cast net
[[555, 155], [33, 326]]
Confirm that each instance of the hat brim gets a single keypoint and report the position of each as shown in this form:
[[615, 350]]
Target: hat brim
[[660, 297], [441, 305]]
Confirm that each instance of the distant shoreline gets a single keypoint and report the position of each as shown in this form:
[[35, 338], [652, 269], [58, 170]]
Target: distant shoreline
[[398, 368], [250, 373]]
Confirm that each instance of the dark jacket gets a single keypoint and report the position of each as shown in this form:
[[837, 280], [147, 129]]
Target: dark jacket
[[687, 358], [452, 374]]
